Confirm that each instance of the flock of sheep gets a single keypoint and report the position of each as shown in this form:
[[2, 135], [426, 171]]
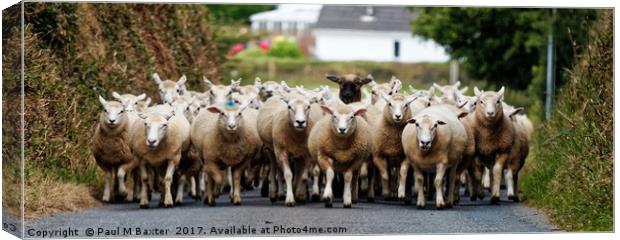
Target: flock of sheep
[[349, 140]]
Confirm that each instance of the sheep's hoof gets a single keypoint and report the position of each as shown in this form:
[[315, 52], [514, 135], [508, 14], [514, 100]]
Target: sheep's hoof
[[494, 200], [316, 197], [407, 202], [161, 204], [481, 197], [347, 206], [449, 205], [440, 206], [281, 198], [168, 205], [328, 205], [473, 198], [371, 200], [226, 189], [178, 203], [354, 201], [144, 206], [264, 192], [237, 203], [290, 204], [211, 203], [273, 200], [421, 206], [514, 198]]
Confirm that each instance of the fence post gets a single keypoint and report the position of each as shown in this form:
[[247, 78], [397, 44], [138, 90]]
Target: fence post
[[550, 55]]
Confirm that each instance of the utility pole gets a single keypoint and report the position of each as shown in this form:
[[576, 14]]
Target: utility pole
[[550, 62]]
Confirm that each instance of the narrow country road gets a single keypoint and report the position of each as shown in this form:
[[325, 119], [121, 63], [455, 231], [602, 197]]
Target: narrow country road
[[258, 214]]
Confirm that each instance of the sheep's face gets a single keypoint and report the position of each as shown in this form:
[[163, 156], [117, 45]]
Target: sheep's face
[[168, 89], [468, 103], [129, 101], [251, 99], [418, 104], [489, 104], [183, 106], [269, 89], [396, 106], [230, 117], [113, 113], [350, 86], [343, 119], [155, 127], [448, 92], [298, 109], [426, 130]]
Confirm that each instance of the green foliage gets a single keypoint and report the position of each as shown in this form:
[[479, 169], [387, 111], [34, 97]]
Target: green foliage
[[285, 49], [238, 13], [252, 53], [570, 167], [503, 45]]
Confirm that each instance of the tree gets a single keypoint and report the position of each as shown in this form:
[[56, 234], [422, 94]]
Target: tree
[[503, 45], [237, 13]]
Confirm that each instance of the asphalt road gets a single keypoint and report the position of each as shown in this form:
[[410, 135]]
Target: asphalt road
[[195, 219]]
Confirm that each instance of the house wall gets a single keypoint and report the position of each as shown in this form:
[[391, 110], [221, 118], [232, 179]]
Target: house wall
[[348, 45]]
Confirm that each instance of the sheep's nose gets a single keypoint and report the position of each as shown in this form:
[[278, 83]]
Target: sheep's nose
[[425, 143], [151, 142], [342, 130], [397, 116], [490, 113], [232, 127], [112, 121], [300, 123]]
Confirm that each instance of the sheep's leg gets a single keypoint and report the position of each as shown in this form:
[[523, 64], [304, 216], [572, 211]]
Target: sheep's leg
[[229, 180], [181, 185], [106, 186], [121, 173], [419, 181], [167, 185], [486, 178], [201, 182], [316, 173], [355, 187], [509, 183], [192, 186], [363, 176], [381, 165], [475, 175], [273, 184], [144, 179], [301, 181], [214, 180], [498, 169], [452, 180], [441, 171], [515, 180], [136, 183], [282, 158], [328, 195], [370, 196], [236, 185], [404, 167], [346, 197]]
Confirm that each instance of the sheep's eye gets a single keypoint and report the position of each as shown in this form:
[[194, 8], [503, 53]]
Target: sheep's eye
[[122, 111], [164, 125], [417, 125], [497, 101], [390, 93], [481, 102], [290, 108], [428, 104], [373, 92], [105, 110], [390, 104]]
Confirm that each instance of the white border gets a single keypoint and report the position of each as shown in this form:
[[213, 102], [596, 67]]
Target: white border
[[481, 3]]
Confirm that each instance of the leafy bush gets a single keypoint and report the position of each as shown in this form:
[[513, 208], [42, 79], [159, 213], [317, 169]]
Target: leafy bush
[[570, 167], [252, 53], [285, 49]]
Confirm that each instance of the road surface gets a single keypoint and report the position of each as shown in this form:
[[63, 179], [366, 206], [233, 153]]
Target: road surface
[[257, 216]]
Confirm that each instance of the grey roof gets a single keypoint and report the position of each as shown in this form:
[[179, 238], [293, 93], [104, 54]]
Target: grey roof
[[387, 18]]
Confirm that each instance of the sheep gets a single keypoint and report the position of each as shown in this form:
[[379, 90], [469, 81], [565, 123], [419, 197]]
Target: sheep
[[434, 140], [264, 124], [220, 94], [449, 92], [387, 149], [267, 89], [291, 126], [169, 89], [389, 88], [494, 134], [158, 140], [340, 142], [518, 154], [130, 102], [110, 147], [224, 136], [350, 86]]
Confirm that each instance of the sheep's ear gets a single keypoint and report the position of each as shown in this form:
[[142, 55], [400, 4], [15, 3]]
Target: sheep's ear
[[412, 90], [372, 83], [477, 92], [327, 109], [148, 102], [385, 97], [141, 97], [360, 111], [366, 80], [156, 78], [462, 114], [285, 99], [397, 86], [463, 90], [214, 109], [436, 86], [116, 96], [169, 116], [142, 115], [411, 120], [257, 82], [457, 84], [102, 100], [441, 122], [182, 80], [500, 93], [516, 111], [207, 81], [235, 84], [431, 91], [333, 78], [410, 101]]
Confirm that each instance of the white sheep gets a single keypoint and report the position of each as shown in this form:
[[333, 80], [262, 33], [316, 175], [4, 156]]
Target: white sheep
[[159, 140], [340, 142], [168, 89], [110, 147], [220, 94], [224, 136], [434, 140]]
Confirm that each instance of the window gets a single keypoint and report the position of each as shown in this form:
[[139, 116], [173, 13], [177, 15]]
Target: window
[[277, 27], [396, 49]]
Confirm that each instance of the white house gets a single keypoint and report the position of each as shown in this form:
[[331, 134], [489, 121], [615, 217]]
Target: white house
[[288, 19], [372, 33]]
